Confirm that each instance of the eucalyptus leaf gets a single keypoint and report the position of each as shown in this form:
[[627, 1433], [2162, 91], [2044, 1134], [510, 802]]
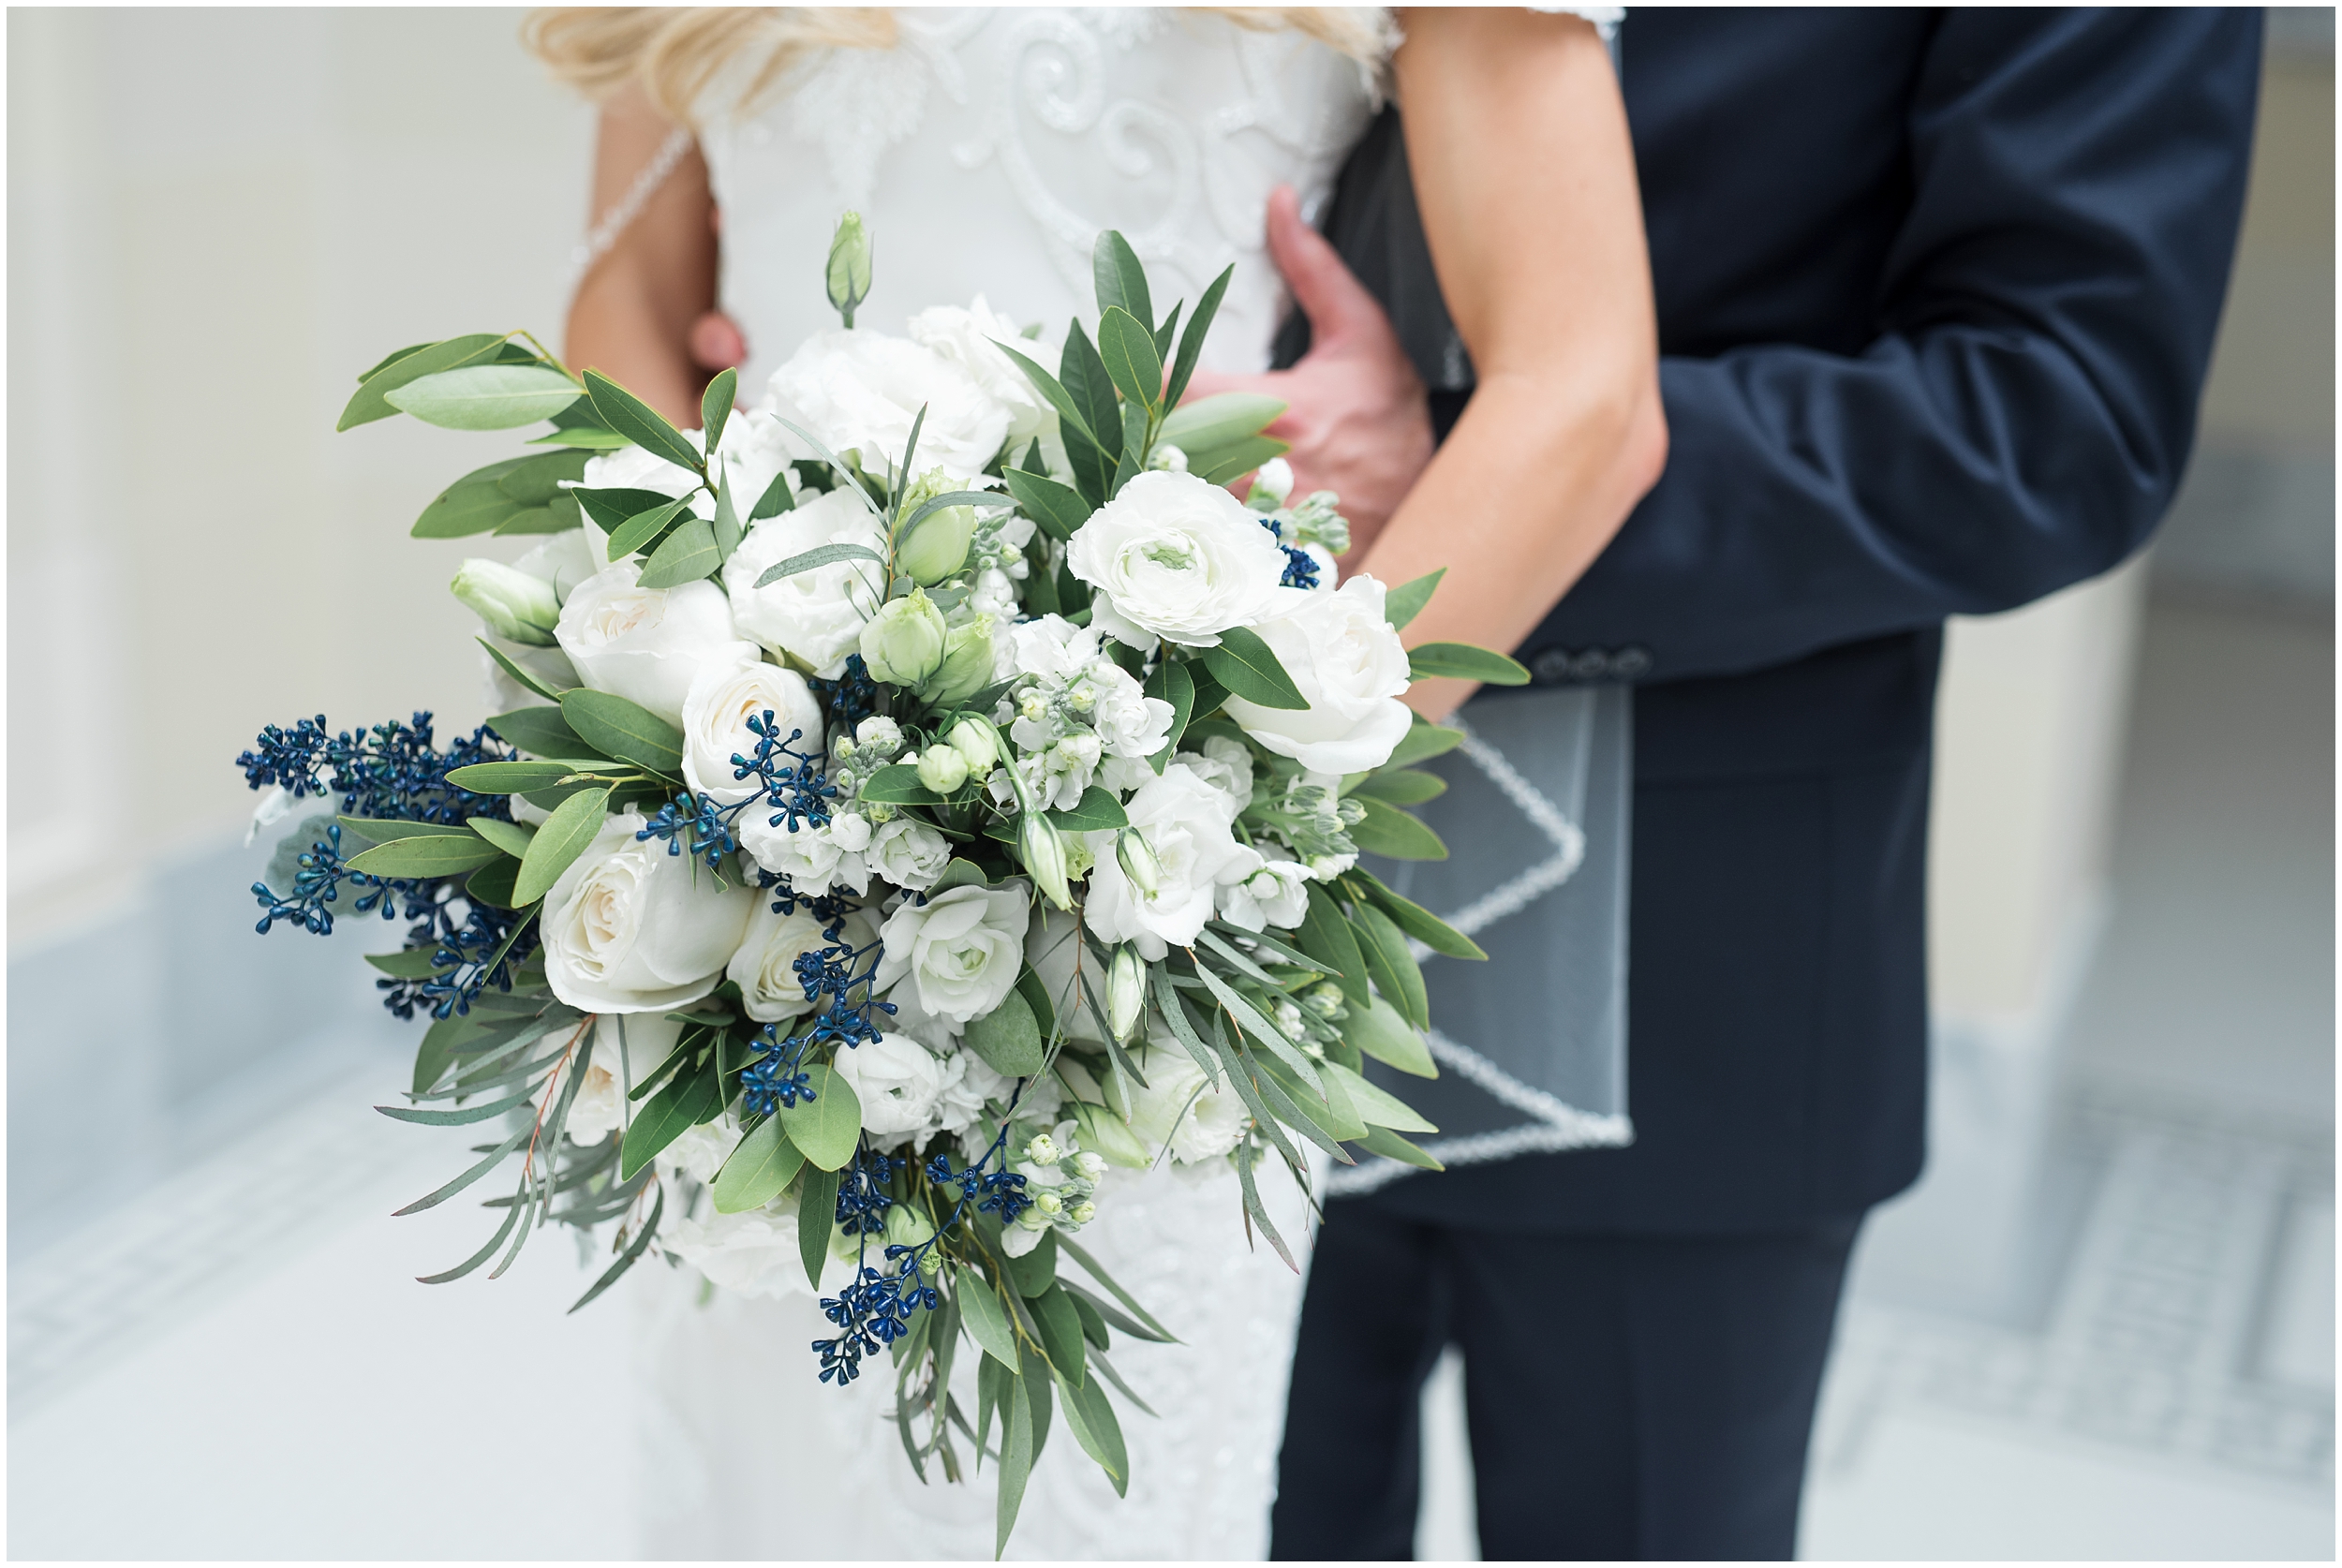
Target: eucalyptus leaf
[[424, 857], [716, 407], [688, 554], [634, 1249], [413, 963], [1192, 341], [1404, 603], [566, 835], [1389, 832], [1401, 787], [369, 402], [1228, 463], [776, 499], [1419, 922], [1463, 661], [510, 837], [764, 1163], [1058, 508], [897, 784], [637, 421], [610, 506], [526, 680], [1325, 936], [668, 1115], [820, 556], [1423, 742], [986, 1323], [1128, 348], [1390, 964], [1390, 1145], [817, 1218], [1249, 669], [541, 731], [1008, 1038], [829, 1125], [639, 530], [485, 396], [616, 727], [1096, 809]]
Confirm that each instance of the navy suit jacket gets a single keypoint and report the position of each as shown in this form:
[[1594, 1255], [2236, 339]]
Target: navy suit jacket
[[1937, 291]]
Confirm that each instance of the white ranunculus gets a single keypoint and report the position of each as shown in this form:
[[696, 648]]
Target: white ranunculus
[[1178, 1109], [898, 1082], [1174, 557], [1188, 823], [715, 714], [699, 1152], [968, 1084], [1276, 895], [630, 928], [908, 853], [647, 644], [971, 339], [753, 1254], [815, 616], [765, 968], [754, 451], [610, 1067], [962, 950], [1347, 660], [861, 390], [812, 858]]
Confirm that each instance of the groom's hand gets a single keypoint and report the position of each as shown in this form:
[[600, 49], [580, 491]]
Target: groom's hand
[[1357, 422]]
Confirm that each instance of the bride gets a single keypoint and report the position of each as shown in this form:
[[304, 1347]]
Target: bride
[[985, 149]]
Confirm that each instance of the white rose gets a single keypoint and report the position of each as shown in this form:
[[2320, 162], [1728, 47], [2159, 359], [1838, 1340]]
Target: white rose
[[962, 950], [765, 968], [1276, 895], [754, 451], [908, 853], [630, 928], [611, 1066], [971, 339], [815, 615], [968, 1084], [861, 390], [1174, 557], [647, 644], [897, 1082], [1347, 660], [753, 1255], [715, 714], [1188, 823], [1177, 1109], [812, 858], [699, 1152]]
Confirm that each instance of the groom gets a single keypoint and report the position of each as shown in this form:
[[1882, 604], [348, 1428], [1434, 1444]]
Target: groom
[[1935, 291]]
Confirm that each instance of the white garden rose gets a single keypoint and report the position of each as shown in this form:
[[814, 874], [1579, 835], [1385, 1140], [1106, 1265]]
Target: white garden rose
[[648, 644], [1178, 1108], [610, 1064], [630, 928], [715, 714], [1188, 823], [815, 616], [908, 853], [1174, 557], [1276, 895], [1347, 661], [898, 1082], [753, 1255], [971, 339], [961, 950], [765, 968], [859, 391]]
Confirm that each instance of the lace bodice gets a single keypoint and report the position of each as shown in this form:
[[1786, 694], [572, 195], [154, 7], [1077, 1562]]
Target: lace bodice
[[989, 146]]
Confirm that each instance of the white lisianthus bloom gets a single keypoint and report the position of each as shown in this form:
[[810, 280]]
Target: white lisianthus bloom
[[753, 1254], [814, 859], [898, 1082], [630, 928], [815, 616], [968, 1084], [715, 714], [1276, 895], [699, 1152], [860, 389], [908, 853], [1348, 662], [1178, 1109], [647, 644], [962, 950], [611, 1065], [754, 450], [1174, 557], [766, 969], [1188, 825], [971, 339]]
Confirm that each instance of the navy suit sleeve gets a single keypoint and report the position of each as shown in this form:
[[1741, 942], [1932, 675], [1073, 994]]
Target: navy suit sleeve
[[2020, 421]]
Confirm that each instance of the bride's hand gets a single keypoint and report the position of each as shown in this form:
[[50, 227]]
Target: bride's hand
[[1357, 422]]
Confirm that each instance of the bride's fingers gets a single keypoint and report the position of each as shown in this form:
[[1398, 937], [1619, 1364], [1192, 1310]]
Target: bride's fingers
[[716, 342], [1337, 304]]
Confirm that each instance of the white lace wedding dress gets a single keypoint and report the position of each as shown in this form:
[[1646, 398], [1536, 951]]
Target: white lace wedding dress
[[986, 150]]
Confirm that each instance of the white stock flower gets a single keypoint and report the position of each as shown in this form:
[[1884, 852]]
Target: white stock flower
[[612, 1065], [1188, 823], [1348, 662], [630, 928], [753, 1254], [861, 390], [815, 615], [1179, 1110], [765, 968], [971, 339], [814, 859], [898, 1082], [1276, 895], [1174, 557], [1083, 713], [715, 714], [968, 1084], [648, 644], [962, 950], [908, 853]]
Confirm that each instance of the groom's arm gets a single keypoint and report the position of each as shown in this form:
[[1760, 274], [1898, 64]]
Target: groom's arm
[[2024, 419]]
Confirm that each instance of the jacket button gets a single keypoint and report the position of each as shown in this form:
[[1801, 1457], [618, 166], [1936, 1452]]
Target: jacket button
[[1629, 662], [1551, 666], [1592, 665]]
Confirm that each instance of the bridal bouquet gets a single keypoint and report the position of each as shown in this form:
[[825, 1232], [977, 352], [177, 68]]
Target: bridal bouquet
[[915, 796]]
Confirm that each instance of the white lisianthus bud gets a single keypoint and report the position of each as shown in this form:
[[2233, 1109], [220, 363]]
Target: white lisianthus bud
[[513, 603], [1138, 860], [1126, 991], [978, 744], [966, 667], [938, 547], [1043, 853], [903, 644], [1089, 1165], [1084, 1212], [847, 272], [942, 769], [1042, 1151], [1272, 485]]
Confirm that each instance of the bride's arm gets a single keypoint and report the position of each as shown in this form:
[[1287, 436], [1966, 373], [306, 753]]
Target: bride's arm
[[1518, 145], [634, 310]]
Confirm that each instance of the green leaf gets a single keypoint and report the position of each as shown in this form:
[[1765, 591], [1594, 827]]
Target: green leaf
[[1166, 332], [438, 1049], [558, 516], [765, 1162], [776, 499], [1066, 1245], [1402, 787], [493, 883], [1085, 377], [1033, 1273], [512, 1218], [485, 396], [468, 1114], [1464, 660], [1377, 1107], [389, 360], [585, 438], [1058, 508], [382, 830], [1133, 458], [508, 778], [475, 504], [716, 407], [638, 531], [1258, 1211], [725, 528], [1328, 1109], [1036, 994], [1423, 742], [1404, 603], [1093, 1321], [369, 402], [1249, 669], [683, 1105], [829, 1125], [565, 835], [533, 481], [1225, 464], [897, 784], [633, 1251], [1121, 279], [434, 855], [540, 731], [1250, 1019], [1051, 388], [986, 1323], [1110, 1136], [639, 422], [1092, 1417], [1390, 964], [817, 1219], [959, 873], [845, 477], [1060, 1332], [611, 507], [688, 554], [1174, 685], [1378, 1030], [1096, 809], [1016, 1452], [1222, 420], [1007, 1039], [496, 1157], [412, 962], [1325, 935], [628, 731], [1128, 348], [1390, 1145], [820, 556], [527, 680], [511, 838], [1192, 341], [1389, 832], [1419, 922]]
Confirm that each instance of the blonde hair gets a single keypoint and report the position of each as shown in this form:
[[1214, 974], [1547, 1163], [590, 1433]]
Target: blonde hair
[[675, 53]]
